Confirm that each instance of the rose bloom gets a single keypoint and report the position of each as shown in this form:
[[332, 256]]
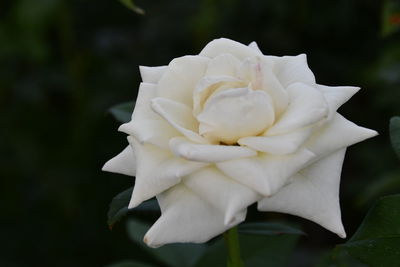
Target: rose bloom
[[216, 132]]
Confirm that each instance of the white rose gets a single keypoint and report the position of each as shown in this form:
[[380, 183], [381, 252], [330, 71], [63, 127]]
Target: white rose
[[213, 133]]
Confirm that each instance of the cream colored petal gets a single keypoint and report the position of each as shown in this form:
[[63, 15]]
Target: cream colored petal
[[254, 46], [278, 144], [227, 46], [307, 106], [179, 116], [223, 65], [152, 74], [147, 91], [181, 147], [157, 170], [259, 72], [265, 173], [209, 85], [336, 96], [292, 69], [186, 217], [181, 77], [146, 125], [123, 163], [222, 192], [234, 113], [312, 194], [337, 134], [156, 132], [273, 87]]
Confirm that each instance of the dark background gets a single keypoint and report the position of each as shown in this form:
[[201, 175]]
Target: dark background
[[64, 63]]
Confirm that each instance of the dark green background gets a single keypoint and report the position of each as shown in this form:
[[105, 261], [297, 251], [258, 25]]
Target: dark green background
[[63, 63]]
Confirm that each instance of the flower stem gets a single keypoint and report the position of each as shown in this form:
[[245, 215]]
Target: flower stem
[[231, 238]]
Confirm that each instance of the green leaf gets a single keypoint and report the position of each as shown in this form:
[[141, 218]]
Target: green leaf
[[388, 183], [395, 134], [129, 4], [271, 250], [119, 207], [339, 258], [215, 254], [270, 228], [179, 255], [377, 240], [122, 112], [130, 263], [257, 250]]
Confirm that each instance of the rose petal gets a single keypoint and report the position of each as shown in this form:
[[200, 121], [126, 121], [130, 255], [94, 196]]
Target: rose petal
[[152, 74], [156, 132], [123, 163], [209, 85], [146, 125], [292, 69], [265, 173], [312, 194], [224, 46], [307, 106], [181, 147], [181, 77], [234, 113], [221, 192], [278, 144], [186, 218], [335, 96], [179, 116], [157, 170], [254, 46], [337, 134], [259, 72], [224, 64]]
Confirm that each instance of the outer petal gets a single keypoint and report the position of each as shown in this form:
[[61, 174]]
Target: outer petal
[[266, 173], [278, 144], [307, 106], [157, 170], [179, 116], [337, 96], [181, 77], [337, 134], [222, 192], [254, 46], [181, 147], [147, 126], [152, 74], [291, 69], [123, 163], [223, 46], [186, 218], [313, 194]]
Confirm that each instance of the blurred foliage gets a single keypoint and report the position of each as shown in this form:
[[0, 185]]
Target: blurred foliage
[[377, 241], [64, 63], [271, 246]]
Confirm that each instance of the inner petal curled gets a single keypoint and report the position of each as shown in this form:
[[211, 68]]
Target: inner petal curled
[[234, 113]]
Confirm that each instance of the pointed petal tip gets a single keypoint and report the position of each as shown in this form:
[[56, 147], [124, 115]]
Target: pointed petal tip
[[148, 242], [134, 202], [124, 128], [106, 167], [342, 234]]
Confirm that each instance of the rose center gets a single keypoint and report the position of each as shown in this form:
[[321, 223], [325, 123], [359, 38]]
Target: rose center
[[235, 113]]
